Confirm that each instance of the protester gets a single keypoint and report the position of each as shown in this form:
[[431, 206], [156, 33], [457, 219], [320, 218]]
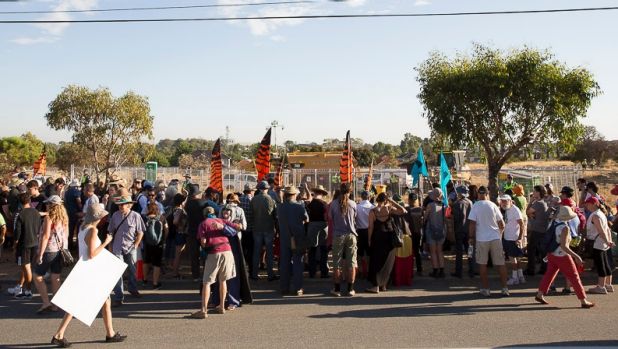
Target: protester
[[239, 291], [264, 217], [155, 236], [177, 233], [514, 232], [343, 212], [598, 230], [538, 221], [27, 227], [380, 234], [128, 229], [89, 247], [142, 198], [194, 208], [461, 209], [292, 217], [486, 227], [414, 217], [436, 231], [247, 234], [90, 198], [563, 259], [317, 232], [509, 184], [73, 205], [37, 200], [219, 264], [519, 198], [53, 239], [362, 228]]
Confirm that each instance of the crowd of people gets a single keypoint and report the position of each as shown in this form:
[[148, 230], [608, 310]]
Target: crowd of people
[[228, 241]]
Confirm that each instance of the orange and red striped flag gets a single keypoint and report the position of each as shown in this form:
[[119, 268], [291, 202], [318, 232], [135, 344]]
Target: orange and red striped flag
[[216, 168], [262, 161], [40, 166], [279, 176], [345, 165]]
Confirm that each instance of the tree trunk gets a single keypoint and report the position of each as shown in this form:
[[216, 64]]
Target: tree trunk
[[492, 178]]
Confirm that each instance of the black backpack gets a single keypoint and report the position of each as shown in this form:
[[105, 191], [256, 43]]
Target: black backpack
[[551, 243]]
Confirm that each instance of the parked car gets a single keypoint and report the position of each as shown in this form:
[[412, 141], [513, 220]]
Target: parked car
[[236, 182]]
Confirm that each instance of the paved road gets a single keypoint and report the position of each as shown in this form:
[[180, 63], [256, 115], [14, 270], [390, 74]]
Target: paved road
[[433, 313]]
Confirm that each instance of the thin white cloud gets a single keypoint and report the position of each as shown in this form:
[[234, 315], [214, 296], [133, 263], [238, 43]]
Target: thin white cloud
[[356, 3], [422, 2], [34, 40], [51, 32]]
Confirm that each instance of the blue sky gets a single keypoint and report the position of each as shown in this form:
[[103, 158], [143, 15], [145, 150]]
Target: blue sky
[[316, 77]]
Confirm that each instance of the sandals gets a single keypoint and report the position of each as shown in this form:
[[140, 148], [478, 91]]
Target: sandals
[[198, 315], [219, 310], [45, 309]]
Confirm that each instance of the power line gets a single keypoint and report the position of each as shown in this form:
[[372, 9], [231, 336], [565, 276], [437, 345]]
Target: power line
[[272, 3], [213, 19]]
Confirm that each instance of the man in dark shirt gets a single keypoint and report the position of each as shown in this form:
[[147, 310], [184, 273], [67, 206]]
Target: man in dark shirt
[[73, 204], [538, 221], [415, 222], [317, 231], [27, 228], [263, 209], [195, 208], [461, 208], [37, 200]]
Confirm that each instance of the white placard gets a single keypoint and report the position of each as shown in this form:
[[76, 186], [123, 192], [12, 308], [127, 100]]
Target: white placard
[[85, 290]]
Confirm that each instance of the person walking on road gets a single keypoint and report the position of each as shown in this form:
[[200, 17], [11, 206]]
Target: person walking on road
[[563, 259], [89, 247], [486, 227]]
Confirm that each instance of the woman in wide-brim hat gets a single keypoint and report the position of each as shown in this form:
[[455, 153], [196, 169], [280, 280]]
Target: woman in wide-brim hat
[[89, 247], [563, 259]]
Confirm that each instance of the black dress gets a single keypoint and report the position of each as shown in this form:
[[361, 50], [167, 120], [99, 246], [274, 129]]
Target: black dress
[[381, 247]]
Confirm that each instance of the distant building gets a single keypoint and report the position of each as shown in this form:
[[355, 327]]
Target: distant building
[[314, 160]]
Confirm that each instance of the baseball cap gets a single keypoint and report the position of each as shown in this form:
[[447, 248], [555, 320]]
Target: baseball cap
[[567, 190], [505, 198], [482, 189], [592, 200]]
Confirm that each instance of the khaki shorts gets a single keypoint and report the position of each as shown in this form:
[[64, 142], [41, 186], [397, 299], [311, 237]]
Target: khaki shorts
[[345, 243], [219, 267], [485, 248]]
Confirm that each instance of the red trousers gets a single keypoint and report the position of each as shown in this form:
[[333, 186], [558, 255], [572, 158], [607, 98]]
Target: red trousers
[[567, 267]]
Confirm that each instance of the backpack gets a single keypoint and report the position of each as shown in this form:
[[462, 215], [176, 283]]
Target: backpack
[[551, 243], [154, 232], [137, 207]]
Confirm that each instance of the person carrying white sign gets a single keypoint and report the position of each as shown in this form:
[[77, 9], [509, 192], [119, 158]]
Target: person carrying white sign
[[89, 247]]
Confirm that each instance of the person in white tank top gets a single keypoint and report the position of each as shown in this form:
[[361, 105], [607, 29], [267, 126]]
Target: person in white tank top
[[597, 229], [89, 247]]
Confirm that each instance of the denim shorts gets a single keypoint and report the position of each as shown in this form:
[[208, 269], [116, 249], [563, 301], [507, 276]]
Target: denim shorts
[[52, 262]]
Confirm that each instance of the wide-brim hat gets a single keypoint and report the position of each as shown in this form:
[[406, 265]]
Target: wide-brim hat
[[290, 190], [94, 213], [233, 198], [123, 197], [320, 190], [463, 191], [262, 185], [565, 214]]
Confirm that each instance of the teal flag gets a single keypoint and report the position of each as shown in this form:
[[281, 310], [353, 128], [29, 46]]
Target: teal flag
[[419, 167], [445, 177]]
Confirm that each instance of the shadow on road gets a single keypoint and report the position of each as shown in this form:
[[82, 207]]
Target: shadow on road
[[587, 344]]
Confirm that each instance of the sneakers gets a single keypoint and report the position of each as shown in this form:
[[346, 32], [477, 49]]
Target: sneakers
[[485, 292], [14, 291], [505, 292], [598, 290], [512, 281], [335, 293], [156, 286], [609, 288], [116, 338], [25, 294], [351, 293]]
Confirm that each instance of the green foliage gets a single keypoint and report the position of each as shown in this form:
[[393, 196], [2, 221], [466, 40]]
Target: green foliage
[[21, 151], [503, 101], [110, 129]]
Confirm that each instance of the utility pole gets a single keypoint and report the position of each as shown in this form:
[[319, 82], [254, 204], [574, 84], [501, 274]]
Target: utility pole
[[274, 125]]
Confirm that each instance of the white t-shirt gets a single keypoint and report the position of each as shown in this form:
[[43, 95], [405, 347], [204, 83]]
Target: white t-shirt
[[512, 216], [362, 214], [593, 234], [93, 200], [486, 214]]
